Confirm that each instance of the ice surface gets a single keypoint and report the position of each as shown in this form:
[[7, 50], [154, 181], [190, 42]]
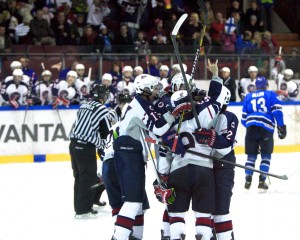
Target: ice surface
[[36, 202]]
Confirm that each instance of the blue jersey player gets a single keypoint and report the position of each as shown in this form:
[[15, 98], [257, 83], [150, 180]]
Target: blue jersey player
[[260, 110]]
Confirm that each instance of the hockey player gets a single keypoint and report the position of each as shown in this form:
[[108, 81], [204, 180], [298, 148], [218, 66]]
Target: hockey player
[[127, 82], [82, 83], [247, 85], [164, 76], [138, 70], [15, 90], [64, 92], [224, 129], [128, 150], [17, 65], [288, 89], [260, 110], [90, 130], [44, 88], [191, 176]]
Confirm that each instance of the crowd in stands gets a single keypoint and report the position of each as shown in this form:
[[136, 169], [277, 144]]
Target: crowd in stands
[[138, 24]]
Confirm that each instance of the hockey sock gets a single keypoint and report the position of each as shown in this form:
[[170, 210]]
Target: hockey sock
[[125, 219], [114, 213], [250, 163], [177, 225], [223, 226], [265, 164], [166, 224], [203, 225], [138, 225]]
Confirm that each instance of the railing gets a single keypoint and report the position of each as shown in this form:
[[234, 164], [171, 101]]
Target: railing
[[102, 62]]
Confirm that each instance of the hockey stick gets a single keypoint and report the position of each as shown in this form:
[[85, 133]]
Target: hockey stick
[[28, 94], [175, 45], [204, 8], [199, 154]]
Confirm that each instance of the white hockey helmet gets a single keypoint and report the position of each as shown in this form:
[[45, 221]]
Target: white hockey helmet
[[288, 73], [18, 72], [107, 76], [293, 89], [145, 83], [72, 74], [15, 65], [127, 69], [178, 81], [252, 69], [226, 94], [176, 68], [138, 69], [46, 73], [164, 68], [80, 66], [178, 96]]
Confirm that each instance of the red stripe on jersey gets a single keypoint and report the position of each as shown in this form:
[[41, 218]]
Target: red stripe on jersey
[[124, 222], [210, 113], [223, 226], [166, 217], [139, 220], [176, 220], [115, 211], [202, 221]]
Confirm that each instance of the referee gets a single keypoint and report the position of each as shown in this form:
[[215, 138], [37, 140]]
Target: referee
[[89, 132]]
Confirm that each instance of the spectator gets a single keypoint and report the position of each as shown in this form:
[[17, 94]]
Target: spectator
[[192, 30], [79, 7], [235, 8], [244, 44], [69, 15], [41, 31], [60, 3], [268, 43], [170, 23], [256, 42], [239, 25], [131, 14], [141, 44], [89, 37], [210, 16], [105, 39], [116, 73], [5, 41], [217, 29], [77, 28], [123, 38], [253, 25], [13, 10], [267, 8], [61, 29], [161, 8], [254, 10], [47, 15], [292, 62], [157, 29], [24, 10], [97, 10], [228, 41], [229, 82]]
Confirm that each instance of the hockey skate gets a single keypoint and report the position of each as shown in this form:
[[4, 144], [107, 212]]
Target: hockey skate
[[164, 237], [89, 215], [248, 182], [100, 203], [262, 184]]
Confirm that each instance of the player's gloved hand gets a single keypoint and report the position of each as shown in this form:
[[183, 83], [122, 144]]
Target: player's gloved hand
[[65, 101], [179, 103], [55, 102], [164, 194], [281, 131], [205, 136], [29, 100], [169, 138], [14, 103], [198, 92]]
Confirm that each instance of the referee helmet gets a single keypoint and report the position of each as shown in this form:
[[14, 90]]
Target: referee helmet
[[100, 91]]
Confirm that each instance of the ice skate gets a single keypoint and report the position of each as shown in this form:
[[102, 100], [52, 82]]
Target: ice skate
[[248, 182]]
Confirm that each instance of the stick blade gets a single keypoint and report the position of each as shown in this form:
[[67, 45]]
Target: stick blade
[[178, 24], [284, 177]]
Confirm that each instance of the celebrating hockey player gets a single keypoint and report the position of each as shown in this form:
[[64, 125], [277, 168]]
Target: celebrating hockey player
[[260, 110]]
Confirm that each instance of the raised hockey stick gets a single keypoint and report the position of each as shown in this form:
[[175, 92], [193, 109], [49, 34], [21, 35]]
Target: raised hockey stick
[[204, 8], [175, 45], [282, 177]]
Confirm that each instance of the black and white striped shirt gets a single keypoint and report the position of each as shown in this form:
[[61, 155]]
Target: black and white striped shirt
[[92, 123]]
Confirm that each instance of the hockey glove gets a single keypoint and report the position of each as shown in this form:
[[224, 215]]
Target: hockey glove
[[281, 131], [169, 138], [206, 136], [14, 103], [164, 194], [196, 92], [179, 103]]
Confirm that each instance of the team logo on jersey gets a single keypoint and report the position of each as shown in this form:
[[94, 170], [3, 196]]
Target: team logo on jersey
[[160, 105], [15, 96], [283, 86], [251, 88]]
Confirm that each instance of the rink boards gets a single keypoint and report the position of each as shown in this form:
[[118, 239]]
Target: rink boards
[[40, 134]]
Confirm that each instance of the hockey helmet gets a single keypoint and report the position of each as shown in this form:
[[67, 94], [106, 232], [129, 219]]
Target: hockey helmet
[[15, 65], [252, 69], [138, 70], [164, 68], [261, 83], [176, 68], [18, 72], [178, 82], [100, 91], [226, 94], [293, 89], [80, 66], [107, 76], [46, 73], [288, 74], [124, 96], [72, 74], [127, 69], [145, 83]]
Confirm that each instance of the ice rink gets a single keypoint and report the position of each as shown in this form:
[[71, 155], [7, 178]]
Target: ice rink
[[36, 203]]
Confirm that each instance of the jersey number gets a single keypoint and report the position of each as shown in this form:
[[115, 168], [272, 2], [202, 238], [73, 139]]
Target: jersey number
[[259, 105]]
